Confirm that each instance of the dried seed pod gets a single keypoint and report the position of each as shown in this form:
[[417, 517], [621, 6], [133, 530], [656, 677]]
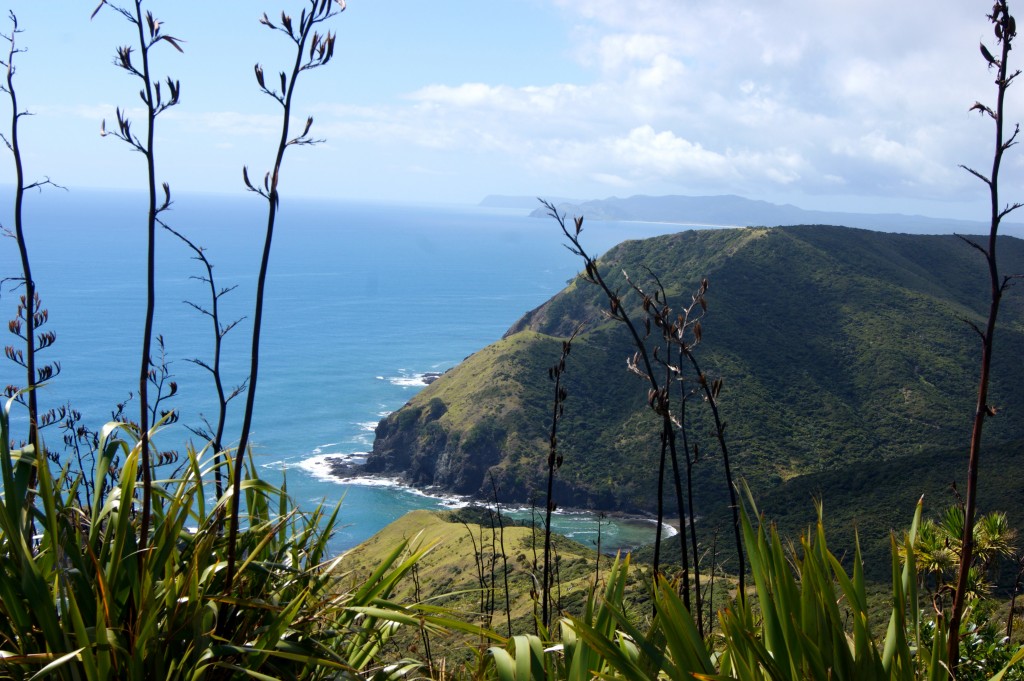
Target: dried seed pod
[[987, 55]]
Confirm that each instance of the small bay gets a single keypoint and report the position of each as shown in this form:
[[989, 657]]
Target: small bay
[[362, 301]]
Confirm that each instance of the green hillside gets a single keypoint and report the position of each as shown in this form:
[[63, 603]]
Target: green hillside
[[871, 501], [839, 348]]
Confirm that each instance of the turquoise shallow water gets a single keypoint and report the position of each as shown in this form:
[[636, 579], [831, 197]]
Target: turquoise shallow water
[[362, 300]]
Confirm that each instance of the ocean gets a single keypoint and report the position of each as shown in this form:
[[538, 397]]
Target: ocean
[[362, 301]]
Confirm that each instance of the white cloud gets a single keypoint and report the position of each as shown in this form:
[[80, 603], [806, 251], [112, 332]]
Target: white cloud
[[662, 153], [468, 94], [865, 97], [661, 72], [862, 96], [612, 180], [904, 164], [532, 100], [622, 51]]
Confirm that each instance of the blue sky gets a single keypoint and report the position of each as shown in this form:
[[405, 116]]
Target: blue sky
[[847, 104]]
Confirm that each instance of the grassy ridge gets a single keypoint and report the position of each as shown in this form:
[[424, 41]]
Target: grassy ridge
[[447, 576]]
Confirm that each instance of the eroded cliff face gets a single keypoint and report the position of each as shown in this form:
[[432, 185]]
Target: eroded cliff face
[[416, 446]]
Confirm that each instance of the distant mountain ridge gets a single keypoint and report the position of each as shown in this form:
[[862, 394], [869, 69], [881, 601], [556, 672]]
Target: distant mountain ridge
[[837, 346], [518, 202], [737, 211]]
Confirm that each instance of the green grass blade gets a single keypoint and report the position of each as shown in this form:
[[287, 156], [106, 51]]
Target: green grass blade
[[55, 665], [504, 664]]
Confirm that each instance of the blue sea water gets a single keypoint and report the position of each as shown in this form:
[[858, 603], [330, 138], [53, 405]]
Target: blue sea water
[[362, 300]]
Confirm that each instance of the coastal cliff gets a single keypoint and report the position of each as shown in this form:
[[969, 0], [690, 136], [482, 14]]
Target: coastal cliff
[[837, 347]]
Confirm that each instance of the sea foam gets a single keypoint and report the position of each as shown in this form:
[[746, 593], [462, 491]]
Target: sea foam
[[320, 466]]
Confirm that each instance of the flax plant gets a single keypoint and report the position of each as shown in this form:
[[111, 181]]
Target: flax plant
[[641, 363], [214, 434], [576, 658], [808, 619], [1005, 29], [680, 334], [691, 518], [30, 316], [149, 34], [554, 463], [80, 601], [504, 554], [683, 331], [312, 50]]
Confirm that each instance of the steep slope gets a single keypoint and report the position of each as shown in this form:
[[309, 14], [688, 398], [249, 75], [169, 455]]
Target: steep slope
[[837, 346]]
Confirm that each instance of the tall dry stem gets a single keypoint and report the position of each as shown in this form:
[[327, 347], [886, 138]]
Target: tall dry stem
[[213, 433], [555, 373], [148, 35], [31, 316], [1005, 29], [312, 50], [642, 364]]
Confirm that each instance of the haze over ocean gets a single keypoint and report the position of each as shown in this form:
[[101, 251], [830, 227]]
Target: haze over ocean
[[362, 299]]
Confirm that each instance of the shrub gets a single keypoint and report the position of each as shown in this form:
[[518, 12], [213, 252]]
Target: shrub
[[79, 599]]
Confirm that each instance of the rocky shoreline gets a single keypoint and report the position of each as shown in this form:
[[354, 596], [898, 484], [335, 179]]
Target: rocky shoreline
[[354, 470]]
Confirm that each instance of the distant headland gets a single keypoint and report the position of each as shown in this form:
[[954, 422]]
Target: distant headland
[[736, 211]]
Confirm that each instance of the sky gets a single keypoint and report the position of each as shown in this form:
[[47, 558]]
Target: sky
[[859, 105]]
